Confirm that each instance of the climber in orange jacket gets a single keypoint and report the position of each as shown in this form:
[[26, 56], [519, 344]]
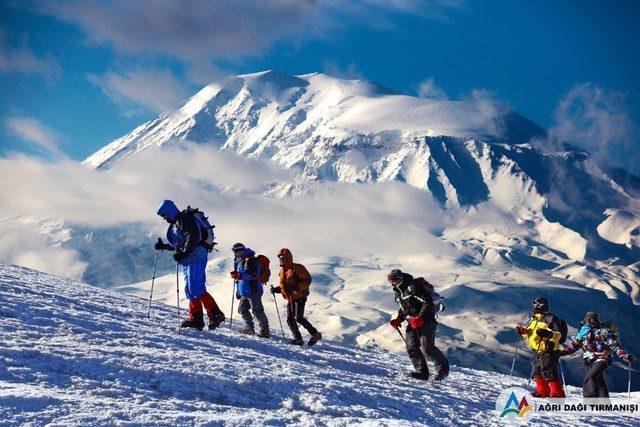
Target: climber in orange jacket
[[294, 287]]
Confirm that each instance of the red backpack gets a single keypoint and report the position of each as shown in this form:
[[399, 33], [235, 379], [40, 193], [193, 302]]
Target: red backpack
[[265, 272]]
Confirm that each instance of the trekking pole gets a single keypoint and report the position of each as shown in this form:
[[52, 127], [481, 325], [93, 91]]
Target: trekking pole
[[564, 384], [513, 362], [278, 312], [233, 298], [155, 265], [402, 336], [629, 381], [178, 294]]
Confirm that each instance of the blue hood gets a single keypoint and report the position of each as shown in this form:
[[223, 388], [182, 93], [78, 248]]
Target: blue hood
[[583, 332], [169, 209]]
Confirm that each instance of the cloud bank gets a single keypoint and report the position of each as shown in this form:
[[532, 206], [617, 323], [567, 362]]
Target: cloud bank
[[327, 220]]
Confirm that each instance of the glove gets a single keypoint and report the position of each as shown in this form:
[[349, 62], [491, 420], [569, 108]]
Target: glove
[[179, 256], [275, 290], [395, 323], [161, 246], [289, 289], [629, 358], [236, 275], [416, 322], [544, 333], [522, 330]]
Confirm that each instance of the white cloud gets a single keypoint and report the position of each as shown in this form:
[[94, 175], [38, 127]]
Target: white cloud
[[196, 30], [140, 89], [428, 89], [189, 30], [594, 118], [35, 133], [597, 120], [21, 59], [390, 218], [21, 245]]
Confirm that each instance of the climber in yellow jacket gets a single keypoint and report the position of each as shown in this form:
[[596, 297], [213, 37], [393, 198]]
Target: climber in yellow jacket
[[544, 333]]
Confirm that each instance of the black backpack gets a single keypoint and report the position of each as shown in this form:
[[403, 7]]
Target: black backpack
[[207, 235], [437, 299], [563, 329]]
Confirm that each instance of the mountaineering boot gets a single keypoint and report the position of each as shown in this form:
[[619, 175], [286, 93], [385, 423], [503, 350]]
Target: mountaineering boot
[[419, 375], [556, 389], [264, 333], [248, 330], [440, 376], [194, 321], [215, 322], [297, 341], [315, 338]]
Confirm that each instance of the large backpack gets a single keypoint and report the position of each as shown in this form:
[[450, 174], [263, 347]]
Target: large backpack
[[207, 235], [265, 272], [438, 300], [563, 329]]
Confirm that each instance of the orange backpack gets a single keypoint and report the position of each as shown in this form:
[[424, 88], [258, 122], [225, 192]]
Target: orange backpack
[[265, 272]]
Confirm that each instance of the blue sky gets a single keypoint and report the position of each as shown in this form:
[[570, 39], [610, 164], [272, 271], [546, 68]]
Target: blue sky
[[76, 75]]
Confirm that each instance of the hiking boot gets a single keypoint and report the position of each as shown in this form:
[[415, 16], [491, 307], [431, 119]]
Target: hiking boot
[[424, 376], [215, 322], [315, 338], [195, 321], [264, 333], [297, 341], [440, 376], [247, 331]]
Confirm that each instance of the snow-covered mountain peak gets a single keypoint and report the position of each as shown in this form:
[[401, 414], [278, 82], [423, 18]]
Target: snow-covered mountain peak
[[287, 118]]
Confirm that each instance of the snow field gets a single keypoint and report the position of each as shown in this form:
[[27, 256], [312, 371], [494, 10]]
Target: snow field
[[71, 354]]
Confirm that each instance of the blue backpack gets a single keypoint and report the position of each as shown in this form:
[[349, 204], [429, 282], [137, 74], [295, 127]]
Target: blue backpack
[[207, 235]]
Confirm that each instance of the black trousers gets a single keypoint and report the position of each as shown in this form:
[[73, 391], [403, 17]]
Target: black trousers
[[545, 365], [295, 315], [424, 340], [594, 384]]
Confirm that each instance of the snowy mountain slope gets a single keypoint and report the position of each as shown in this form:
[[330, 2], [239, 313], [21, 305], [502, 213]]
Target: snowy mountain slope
[[455, 191], [464, 153], [353, 304], [76, 355]]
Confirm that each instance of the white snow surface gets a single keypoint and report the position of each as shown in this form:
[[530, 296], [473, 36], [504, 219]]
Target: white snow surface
[[72, 354]]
